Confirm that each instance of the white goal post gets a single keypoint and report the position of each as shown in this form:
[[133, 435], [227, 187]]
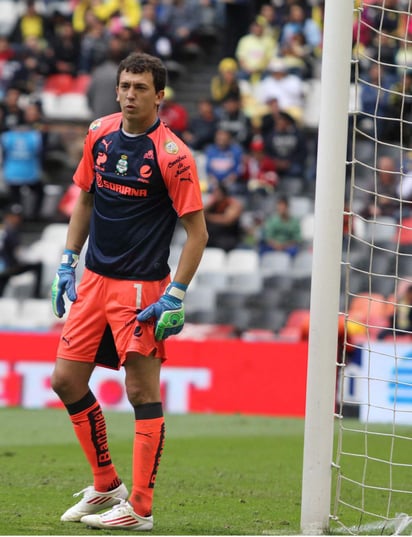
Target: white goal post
[[327, 251]]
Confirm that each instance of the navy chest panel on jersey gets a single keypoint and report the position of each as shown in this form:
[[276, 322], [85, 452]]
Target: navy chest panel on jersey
[[126, 166], [133, 217]]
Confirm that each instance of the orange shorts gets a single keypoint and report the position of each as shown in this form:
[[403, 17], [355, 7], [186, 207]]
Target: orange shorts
[[101, 322]]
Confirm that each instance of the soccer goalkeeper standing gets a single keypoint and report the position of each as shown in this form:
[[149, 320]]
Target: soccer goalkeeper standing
[[136, 179]]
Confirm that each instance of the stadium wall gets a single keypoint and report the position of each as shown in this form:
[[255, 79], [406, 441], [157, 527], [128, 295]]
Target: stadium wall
[[214, 376]]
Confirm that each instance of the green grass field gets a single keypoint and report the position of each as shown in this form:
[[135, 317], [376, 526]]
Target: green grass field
[[220, 475]]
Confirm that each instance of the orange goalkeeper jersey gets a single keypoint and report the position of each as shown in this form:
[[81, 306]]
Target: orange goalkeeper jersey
[[141, 185]]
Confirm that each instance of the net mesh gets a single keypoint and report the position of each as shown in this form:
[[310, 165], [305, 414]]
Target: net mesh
[[373, 452]]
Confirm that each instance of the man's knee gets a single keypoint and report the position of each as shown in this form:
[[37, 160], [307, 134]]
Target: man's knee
[[141, 393], [62, 383], [70, 380], [136, 394], [142, 380]]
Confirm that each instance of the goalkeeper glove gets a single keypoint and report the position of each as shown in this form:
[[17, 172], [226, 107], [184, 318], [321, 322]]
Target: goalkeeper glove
[[168, 310], [64, 281]]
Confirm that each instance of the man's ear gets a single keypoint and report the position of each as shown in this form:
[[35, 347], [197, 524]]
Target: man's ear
[[159, 97]]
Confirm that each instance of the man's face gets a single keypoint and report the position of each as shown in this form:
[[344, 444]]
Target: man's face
[[223, 138], [137, 98], [13, 220], [282, 208]]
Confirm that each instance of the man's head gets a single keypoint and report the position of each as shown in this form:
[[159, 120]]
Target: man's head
[[387, 169], [278, 68], [296, 13], [257, 145], [284, 121], [228, 65], [282, 207], [139, 62], [223, 138], [141, 80], [232, 104], [13, 216], [205, 108], [256, 28]]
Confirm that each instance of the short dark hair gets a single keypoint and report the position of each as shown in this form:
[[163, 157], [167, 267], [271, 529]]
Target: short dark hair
[[140, 62]]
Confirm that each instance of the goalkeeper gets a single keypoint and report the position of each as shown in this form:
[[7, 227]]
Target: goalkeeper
[[136, 180]]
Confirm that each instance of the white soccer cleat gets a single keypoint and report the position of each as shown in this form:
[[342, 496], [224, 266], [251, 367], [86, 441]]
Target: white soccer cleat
[[93, 502], [120, 517]]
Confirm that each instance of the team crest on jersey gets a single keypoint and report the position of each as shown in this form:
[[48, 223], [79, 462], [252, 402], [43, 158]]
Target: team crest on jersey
[[171, 147], [122, 165], [95, 125]]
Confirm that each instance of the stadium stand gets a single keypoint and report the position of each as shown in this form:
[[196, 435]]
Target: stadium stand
[[247, 294]]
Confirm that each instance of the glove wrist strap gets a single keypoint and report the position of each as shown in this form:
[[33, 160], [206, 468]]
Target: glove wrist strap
[[177, 290], [70, 258]]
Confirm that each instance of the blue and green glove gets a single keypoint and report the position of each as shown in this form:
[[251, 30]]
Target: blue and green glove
[[64, 282], [168, 311]]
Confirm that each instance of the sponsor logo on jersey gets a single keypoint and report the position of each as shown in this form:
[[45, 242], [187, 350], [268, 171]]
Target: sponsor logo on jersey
[[149, 155], [121, 189], [177, 161], [101, 159], [145, 171], [181, 168], [171, 147]]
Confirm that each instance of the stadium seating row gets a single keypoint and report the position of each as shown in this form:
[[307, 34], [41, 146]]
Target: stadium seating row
[[27, 314], [238, 287], [33, 314], [64, 97]]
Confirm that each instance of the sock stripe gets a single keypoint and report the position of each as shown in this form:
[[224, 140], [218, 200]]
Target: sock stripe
[[79, 406], [148, 411]]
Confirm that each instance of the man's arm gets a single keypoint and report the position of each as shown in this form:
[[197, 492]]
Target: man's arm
[[79, 222], [230, 215], [169, 309], [197, 237], [65, 279]]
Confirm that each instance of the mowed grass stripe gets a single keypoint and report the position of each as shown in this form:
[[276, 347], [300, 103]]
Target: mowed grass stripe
[[27, 426], [220, 475]]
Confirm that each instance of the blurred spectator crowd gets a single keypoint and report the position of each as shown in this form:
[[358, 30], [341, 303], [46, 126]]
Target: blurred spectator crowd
[[58, 63], [252, 127]]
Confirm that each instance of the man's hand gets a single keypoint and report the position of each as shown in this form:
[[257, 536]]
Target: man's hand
[[64, 281], [168, 311]]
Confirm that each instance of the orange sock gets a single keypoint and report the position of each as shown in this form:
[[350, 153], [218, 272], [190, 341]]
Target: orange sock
[[90, 428], [147, 451]]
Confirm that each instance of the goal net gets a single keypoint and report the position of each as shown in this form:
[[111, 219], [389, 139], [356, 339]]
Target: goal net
[[372, 455]]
